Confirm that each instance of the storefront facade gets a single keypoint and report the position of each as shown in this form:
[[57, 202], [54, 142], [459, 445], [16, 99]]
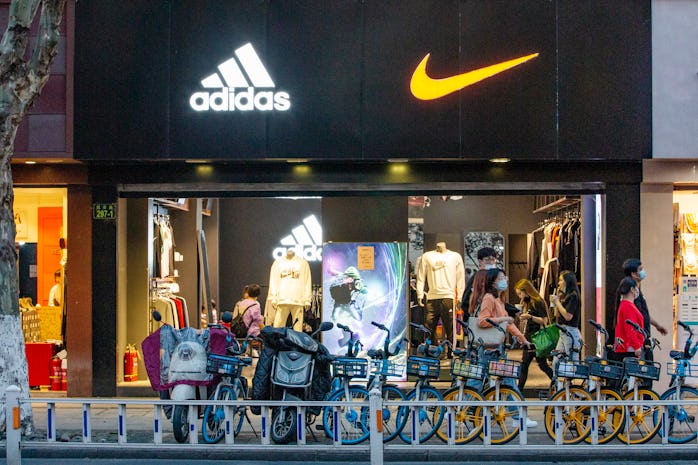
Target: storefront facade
[[327, 99]]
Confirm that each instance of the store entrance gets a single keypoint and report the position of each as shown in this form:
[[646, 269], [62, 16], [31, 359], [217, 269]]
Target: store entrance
[[245, 236]]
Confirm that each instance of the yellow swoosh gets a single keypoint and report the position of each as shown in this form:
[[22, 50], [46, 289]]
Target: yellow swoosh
[[425, 88]]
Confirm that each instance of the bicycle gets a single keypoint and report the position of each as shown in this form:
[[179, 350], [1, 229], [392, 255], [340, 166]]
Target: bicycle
[[642, 422], [465, 424], [231, 387], [610, 418], [425, 368], [681, 418], [575, 425], [381, 368], [498, 368], [347, 423]]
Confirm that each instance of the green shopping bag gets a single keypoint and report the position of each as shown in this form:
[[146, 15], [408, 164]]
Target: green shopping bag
[[545, 340]]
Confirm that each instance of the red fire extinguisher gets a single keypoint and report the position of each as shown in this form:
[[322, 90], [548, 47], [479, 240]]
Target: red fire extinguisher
[[55, 373], [131, 363]]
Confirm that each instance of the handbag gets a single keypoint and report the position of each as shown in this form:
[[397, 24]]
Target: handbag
[[545, 340], [490, 336]]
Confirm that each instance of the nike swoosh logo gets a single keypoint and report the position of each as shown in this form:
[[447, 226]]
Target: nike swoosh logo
[[426, 88]]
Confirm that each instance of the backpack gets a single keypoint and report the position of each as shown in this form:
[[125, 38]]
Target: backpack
[[238, 326]]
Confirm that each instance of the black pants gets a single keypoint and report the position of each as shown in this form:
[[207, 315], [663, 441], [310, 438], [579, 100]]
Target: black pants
[[440, 308], [526, 359]]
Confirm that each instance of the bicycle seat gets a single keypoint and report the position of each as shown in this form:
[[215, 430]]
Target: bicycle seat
[[460, 352], [377, 354], [245, 360], [676, 354], [493, 352]]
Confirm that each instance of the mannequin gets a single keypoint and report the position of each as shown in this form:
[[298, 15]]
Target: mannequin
[[290, 289], [443, 270]]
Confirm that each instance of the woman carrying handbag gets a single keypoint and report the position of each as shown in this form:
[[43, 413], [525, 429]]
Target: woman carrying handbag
[[534, 314]]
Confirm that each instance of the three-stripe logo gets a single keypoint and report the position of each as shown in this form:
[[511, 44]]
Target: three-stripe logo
[[305, 239], [245, 71]]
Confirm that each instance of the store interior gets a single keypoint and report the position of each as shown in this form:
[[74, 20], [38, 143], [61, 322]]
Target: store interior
[[220, 245]]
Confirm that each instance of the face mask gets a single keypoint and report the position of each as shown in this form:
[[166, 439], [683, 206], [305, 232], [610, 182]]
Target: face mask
[[642, 274], [502, 285], [489, 266]]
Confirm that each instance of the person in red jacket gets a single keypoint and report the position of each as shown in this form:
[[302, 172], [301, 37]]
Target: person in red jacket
[[631, 341]]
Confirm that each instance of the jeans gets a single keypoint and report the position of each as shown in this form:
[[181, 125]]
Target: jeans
[[566, 344]]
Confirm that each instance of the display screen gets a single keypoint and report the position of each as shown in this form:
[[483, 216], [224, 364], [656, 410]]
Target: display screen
[[363, 283]]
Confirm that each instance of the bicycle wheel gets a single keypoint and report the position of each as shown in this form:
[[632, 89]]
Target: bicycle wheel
[[503, 426], [393, 422], [213, 424], [575, 419], [466, 424], [429, 417], [681, 418], [351, 425], [643, 421], [611, 418]]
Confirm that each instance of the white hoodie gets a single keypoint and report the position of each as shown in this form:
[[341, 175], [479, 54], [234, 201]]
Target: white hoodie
[[290, 281]]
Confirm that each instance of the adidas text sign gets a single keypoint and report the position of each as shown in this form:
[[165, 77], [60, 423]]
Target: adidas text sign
[[231, 89]]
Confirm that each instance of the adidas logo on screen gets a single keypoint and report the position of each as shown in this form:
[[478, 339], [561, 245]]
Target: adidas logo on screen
[[305, 239], [243, 84]]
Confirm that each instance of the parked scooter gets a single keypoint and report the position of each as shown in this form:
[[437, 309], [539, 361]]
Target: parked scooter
[[293, 366], [175, 361]]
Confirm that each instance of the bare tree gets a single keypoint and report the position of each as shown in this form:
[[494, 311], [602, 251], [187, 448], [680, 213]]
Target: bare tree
[[23, 73]]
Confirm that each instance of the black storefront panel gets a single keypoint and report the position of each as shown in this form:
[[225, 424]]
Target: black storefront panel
[[397, 36], [315, 79], [511, 114]]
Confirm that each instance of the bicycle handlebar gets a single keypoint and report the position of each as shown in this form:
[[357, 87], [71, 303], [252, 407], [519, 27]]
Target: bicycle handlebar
[[386, 344]]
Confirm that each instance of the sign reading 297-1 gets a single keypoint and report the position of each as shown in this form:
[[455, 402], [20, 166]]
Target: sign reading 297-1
[[104, 211], [245, 86]]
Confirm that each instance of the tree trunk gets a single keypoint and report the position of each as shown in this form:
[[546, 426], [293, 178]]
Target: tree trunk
[[21, 81]]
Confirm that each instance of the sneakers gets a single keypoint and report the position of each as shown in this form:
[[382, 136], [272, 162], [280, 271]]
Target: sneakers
[[529, 423]]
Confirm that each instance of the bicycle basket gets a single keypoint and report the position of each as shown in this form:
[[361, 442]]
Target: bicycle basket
[[386, 368], [641, 368], [607, 369], [224, 365], [682, 368], [505, 368], [467, 369], [572, 369], [423, 367], [350, 367]]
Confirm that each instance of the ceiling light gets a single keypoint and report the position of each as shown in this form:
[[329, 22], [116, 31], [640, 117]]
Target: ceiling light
[[30, 162], [500, 160]]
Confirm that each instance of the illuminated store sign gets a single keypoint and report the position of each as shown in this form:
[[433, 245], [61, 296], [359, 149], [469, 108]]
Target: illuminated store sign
[[242, 83], [305, 239], [426, 88]]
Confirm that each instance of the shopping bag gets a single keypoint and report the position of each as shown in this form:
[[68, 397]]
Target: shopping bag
[[545, 340]]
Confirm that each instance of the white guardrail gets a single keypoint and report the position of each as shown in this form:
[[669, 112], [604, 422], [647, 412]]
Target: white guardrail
[[15, 442]]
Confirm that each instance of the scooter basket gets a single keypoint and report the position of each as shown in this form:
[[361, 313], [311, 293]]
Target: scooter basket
[[224, 365], [423, 367], [467, 369], [349, 367], [386, 368], [572, 369], [607, 369], [641, 368], [505, 368]]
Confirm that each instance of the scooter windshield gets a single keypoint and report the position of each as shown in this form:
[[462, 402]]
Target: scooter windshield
[[302, 341]]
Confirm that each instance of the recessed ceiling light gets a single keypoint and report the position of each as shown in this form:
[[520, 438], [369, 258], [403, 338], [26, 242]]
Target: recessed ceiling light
[[30, 162], [500, 160]]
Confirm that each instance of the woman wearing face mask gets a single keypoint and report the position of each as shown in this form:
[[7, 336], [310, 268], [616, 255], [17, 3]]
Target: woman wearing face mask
[[533, 311], [492, 307], [568, 309], [632, 341]]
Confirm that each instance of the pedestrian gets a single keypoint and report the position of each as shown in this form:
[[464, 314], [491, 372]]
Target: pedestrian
[[630, 341], [534, 314], [486, 259], [633, 268], [567, 306]]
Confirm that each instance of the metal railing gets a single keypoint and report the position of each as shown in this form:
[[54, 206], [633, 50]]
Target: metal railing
[[374, 445]]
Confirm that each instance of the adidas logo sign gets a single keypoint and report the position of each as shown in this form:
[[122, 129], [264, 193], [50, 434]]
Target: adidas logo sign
[[305, 240], [227, 98]]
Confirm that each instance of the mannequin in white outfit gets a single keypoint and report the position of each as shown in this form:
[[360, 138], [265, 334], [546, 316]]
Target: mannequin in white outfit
[[290, 289], [444, 271]]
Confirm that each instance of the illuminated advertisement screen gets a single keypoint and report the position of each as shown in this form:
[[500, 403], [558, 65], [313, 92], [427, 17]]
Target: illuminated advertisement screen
[[361, 283]]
